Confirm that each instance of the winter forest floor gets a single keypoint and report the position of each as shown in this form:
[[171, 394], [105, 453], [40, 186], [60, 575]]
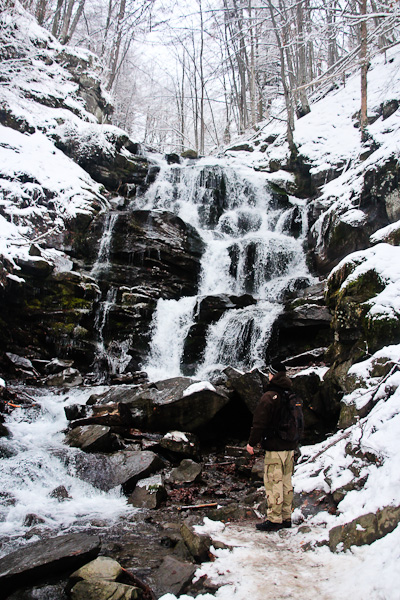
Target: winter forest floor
[[275, 566]]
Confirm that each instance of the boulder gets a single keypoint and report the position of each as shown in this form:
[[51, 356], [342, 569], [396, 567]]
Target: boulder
[[231, 512], [93, 438], [197, 544], [177, 403], [303, 326], [178, 442], [109, 415], [187, 472], [173, 576], [36, 266], [101, 567], [249, 386], [67, 378], [47, 558], [148, 493], [123, 468], [60, 493]]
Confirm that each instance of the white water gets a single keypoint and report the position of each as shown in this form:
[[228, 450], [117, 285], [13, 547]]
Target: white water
[[102, 262], [35, 461], [248, 250], [171, 324]]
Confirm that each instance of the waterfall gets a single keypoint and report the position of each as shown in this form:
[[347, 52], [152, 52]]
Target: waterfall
[[114, 357], [249, 250], [103, 257], [171, 324]]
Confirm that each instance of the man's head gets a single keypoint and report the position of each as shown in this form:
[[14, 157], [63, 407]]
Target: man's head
[[274, 368]]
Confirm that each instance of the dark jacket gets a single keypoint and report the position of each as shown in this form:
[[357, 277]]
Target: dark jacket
[[266, 416]]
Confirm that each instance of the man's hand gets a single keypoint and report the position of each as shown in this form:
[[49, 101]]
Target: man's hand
[[250, 449]]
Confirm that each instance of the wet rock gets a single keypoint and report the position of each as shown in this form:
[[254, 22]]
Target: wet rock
[[124, 468], [197, 544], [181, 443], [47, 558], [67, 378], [365, 529], [109, 415], [56, 365], [33, 519], [304, 325], [21, 365], [114, 163], [93, 438], [187, 472], [173, 576], [148, 493], [208, 310], [104, 590], [61, 493], [173, 159], [257, 470], [249, 386]]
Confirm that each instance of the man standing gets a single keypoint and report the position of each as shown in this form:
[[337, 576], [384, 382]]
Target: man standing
[[279, 453]]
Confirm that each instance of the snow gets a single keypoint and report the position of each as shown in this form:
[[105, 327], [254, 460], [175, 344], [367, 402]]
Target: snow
[[200, 386], [382, 234], [384, 260], [176, 436]]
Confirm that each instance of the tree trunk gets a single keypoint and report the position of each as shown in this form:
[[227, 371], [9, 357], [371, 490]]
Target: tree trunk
[[364, 70], [117, 46], [286, 90], [302, 66], [56, 20]]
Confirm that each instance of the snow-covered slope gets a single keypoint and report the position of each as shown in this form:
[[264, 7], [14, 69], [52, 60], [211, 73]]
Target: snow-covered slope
[[41, 189]]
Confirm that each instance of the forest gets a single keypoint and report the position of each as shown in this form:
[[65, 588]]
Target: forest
[[195, 74]]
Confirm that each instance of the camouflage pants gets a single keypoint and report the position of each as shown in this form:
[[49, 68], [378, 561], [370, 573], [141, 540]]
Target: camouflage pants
[[278, 472]]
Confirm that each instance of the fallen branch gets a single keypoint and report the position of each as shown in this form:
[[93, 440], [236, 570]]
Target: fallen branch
[[194, 506]]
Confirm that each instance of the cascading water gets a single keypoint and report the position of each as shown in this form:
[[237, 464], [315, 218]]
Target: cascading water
[[34, 462], [249, 251], [115, 357], [102, 262]]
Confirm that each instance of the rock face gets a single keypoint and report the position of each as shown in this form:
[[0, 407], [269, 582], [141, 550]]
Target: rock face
[[44, 558], [365, 529], [303, 326], [153, 254], [114, 160]]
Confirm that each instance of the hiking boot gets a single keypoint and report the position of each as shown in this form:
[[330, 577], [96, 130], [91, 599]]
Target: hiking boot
[[268, 526], [287, 524]]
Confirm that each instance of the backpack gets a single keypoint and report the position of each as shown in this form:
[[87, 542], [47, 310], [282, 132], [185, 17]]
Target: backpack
[[291, 421]]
